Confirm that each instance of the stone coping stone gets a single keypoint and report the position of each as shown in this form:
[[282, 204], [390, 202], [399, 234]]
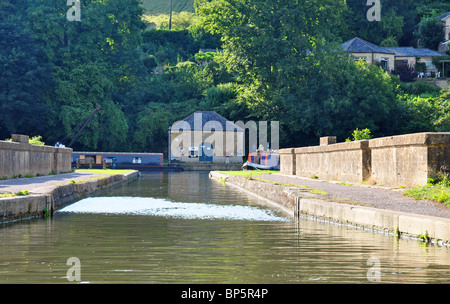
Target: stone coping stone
[[425, 138], [338, 147], [6, 145]]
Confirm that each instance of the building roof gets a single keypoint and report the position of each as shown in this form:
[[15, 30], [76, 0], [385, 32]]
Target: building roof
[[444, 16], [358, 45], [206, 120], [210, 50], [413, 52]]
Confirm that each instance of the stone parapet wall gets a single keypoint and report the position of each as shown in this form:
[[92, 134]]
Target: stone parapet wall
[[403, 160], [23, 159], [341, 161], [409, 159], [287, 161]]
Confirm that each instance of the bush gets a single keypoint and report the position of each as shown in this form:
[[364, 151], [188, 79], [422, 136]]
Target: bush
[[406, 72], [419, 88], [437, 189], [150, 62], [425, 113], [420, 67], [360, 135], [35, 140]]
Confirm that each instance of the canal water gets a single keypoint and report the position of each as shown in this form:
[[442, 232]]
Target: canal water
[[185, 228]]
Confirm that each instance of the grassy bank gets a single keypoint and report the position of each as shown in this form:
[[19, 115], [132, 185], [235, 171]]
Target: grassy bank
[[436, 190], [253, 175], [249, 172]]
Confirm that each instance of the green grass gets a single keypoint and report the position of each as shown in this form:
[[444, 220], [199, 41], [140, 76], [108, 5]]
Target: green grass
[[248, 172], [318, 191], [20, 193], [435, 191], [105, 171], [156, 7]]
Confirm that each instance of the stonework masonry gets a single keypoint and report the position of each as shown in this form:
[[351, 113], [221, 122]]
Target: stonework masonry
[[19, 158], [62, 193], [403, 160]]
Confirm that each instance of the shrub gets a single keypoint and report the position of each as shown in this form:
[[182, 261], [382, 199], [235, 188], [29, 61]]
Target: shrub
[[406, 72], [419, 88], [360, 135], [36, 140]]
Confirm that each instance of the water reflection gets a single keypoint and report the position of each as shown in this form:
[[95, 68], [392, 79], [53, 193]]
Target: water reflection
[[118, 247]]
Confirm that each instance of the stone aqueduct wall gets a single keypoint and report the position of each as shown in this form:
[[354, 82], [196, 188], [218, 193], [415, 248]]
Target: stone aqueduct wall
[[19, 158], [406, 160]]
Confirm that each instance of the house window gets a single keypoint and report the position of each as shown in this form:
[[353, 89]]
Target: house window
[[360, 58], [384, 63], [137, 160], [429, 64]]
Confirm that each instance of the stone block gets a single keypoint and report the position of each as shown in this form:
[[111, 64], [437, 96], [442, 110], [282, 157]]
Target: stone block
[[287, 161], [327, 140], [23, 139]]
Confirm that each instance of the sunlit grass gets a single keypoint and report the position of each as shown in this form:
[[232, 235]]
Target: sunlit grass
[[435, 191], [249, 172], [20, 193]]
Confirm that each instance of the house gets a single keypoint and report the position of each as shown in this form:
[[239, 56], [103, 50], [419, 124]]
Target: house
[[370, 53], [388, 57], [411, 56], [205, 136]]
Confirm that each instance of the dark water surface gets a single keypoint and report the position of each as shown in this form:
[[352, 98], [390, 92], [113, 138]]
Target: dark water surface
[[185, 228]]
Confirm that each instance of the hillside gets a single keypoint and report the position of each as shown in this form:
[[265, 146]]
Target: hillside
[[155, 7]]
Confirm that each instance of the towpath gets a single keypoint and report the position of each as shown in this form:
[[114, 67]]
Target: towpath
[[44, 184], [370, 196]]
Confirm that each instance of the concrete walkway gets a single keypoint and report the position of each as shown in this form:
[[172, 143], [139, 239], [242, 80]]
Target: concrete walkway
[[45, 184], [369, 196], [48, 193]]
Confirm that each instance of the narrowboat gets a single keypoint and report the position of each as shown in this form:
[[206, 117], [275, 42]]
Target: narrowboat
[[118, 160], [262, 161]]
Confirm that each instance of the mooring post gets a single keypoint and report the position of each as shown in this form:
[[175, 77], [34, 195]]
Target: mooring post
[[49, 206], [296, 206]]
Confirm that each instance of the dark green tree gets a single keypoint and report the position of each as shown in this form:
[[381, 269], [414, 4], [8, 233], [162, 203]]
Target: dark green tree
[[24, 75], [291, 71], [430, 32], [398, 20], [95, 61]]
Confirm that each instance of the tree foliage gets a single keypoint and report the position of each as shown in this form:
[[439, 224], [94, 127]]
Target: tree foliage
[[280, 61], [292, 72], [431, 32], [24, 75], [426, 113]]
